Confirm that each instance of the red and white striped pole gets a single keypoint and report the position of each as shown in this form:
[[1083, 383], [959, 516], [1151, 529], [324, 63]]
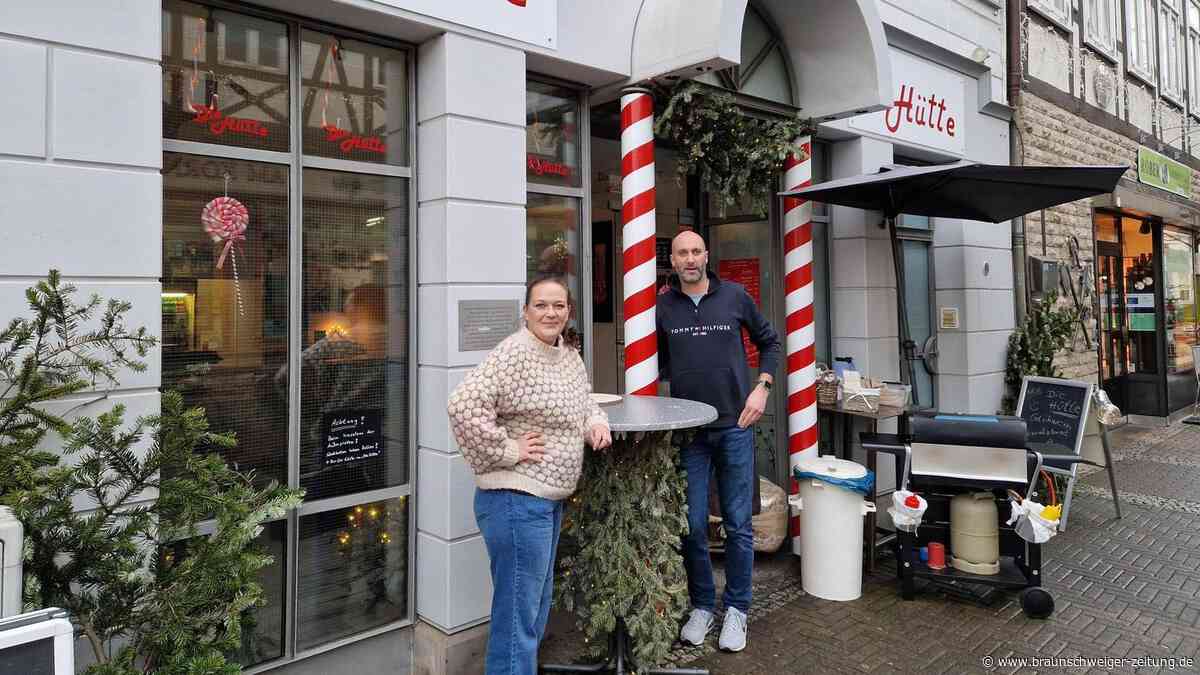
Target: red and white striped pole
[[637, 238], [801, 336]]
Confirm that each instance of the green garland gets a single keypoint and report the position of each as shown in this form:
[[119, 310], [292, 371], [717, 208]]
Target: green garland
[[738, 156], [620, 552]]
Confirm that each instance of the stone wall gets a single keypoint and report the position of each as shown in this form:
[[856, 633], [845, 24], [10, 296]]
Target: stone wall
[[1050, 135]]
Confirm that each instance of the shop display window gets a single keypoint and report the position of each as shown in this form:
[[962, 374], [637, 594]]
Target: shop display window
[[552, 150], [552, 240], [262, 626], [353, 570], [554, 203], [354, 99], [225, 77], [1180, 297], [225, 334], [286, 291], [354, 364]]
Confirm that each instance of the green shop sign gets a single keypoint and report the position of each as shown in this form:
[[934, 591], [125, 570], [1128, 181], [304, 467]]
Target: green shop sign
[[1163, 172]]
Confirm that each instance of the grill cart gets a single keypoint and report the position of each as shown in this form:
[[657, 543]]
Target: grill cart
[[945, 456]]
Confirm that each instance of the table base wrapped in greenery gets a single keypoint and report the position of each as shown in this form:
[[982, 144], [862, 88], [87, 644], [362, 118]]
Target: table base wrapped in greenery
[[620, 553]]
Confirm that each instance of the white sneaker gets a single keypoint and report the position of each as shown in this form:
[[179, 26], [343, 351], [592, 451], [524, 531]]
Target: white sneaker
[[697, 627], [733, 632]]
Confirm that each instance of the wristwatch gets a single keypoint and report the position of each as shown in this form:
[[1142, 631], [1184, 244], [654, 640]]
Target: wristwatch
[[766, 384]]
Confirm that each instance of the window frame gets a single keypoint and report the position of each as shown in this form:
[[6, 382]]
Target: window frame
[[1107, 49], [1171, 60], [297, 162], [1057, 12], [1147, 73], [583, 193]]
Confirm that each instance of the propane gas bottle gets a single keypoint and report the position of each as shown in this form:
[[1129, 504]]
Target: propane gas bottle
[[975, 533]]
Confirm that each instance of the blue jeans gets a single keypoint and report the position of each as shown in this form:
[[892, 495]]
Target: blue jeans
[[731, 451], [521, 533]]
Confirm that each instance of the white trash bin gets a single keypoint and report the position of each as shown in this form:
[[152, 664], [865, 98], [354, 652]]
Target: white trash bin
[[831, 530]]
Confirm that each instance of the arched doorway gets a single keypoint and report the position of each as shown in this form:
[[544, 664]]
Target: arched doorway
[[764, 71], [744, 246]]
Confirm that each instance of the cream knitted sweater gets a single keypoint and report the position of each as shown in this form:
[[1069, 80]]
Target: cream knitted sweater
[[525, 385]]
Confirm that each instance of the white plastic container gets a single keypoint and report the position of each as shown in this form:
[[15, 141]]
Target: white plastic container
[[831, 530]]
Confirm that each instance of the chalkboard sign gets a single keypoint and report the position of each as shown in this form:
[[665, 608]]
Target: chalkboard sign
[[1055, 412], [351, 436]]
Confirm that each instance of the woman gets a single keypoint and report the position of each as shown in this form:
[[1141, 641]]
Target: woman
[[521, 418]]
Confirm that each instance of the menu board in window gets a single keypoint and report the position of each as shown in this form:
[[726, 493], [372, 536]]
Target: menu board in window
[[351, 436]]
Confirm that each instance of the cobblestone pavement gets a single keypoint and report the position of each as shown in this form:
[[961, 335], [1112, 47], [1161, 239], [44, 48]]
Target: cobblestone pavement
[[1124, 590]]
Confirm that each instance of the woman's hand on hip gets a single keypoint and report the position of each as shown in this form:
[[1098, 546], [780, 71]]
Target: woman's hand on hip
[[532, 447], [599, 436]]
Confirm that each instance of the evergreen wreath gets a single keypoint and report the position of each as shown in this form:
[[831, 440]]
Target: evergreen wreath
[[738, 155]]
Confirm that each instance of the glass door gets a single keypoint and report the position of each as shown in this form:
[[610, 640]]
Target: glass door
[[919, 366], [1129, 286], [1110, 287], [741, 252]]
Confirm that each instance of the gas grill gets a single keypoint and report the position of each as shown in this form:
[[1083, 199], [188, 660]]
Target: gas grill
[[945, 455]]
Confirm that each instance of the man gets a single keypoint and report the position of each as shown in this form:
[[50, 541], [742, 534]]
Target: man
[[700, 320]]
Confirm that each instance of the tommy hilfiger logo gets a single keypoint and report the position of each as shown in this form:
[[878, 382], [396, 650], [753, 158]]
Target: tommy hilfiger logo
[[702, 330]]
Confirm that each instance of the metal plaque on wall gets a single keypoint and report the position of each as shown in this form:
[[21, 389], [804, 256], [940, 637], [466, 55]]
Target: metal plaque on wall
[[482, 324]]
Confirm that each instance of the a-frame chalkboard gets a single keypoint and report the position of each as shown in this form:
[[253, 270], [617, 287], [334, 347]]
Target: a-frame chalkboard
[[1055, 413]]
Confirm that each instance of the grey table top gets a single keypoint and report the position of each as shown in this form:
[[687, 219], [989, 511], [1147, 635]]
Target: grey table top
[[657, 413]]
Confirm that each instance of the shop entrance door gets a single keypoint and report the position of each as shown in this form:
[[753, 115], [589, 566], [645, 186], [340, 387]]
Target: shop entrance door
[[1110, 290], [1129, 283], [742, 252]]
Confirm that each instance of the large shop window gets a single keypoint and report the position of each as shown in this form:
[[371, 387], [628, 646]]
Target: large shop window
[[286, 300], [1179, 291], [553, 157]]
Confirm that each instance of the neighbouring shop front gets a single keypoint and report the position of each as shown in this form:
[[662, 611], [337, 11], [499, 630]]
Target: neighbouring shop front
[[1147, 271]]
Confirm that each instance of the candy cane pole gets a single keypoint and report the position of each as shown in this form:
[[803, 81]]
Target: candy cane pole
[[801, 338], [637, 236]]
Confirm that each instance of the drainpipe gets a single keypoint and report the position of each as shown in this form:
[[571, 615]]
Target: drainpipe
[[1016, 151]]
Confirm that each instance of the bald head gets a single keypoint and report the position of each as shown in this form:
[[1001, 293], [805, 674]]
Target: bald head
[[688, 240], [689, 257]]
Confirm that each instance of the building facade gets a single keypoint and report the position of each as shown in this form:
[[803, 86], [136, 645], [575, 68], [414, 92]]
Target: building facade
[[1115, 82], [405, 166]]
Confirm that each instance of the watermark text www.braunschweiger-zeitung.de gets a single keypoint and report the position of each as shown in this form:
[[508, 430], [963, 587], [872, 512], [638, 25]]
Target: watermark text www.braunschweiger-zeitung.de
[[1089, 662]]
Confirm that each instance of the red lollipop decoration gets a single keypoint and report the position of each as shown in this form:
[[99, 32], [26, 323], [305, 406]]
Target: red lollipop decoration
[[225, 220]]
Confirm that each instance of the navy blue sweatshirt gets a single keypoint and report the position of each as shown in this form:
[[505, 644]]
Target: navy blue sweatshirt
[[700, 346]]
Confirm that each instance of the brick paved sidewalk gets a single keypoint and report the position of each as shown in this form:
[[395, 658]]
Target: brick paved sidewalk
[[1126, 588]]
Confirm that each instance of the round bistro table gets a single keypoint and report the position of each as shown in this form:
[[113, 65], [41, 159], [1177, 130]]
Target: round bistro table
[[630, 419]]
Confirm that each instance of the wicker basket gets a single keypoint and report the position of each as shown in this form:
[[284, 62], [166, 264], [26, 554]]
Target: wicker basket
[[827, 386]]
